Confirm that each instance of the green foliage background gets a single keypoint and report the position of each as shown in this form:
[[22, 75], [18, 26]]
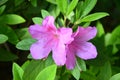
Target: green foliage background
[[17, 15]]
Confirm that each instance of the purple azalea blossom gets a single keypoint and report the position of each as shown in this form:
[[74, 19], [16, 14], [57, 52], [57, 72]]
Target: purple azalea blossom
[[80, 47], [49, 38]]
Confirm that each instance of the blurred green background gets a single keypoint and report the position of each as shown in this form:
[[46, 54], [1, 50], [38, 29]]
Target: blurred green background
[[29, 9]]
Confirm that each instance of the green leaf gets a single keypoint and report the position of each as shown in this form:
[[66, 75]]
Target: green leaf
[[25, 44], [34, 2], [70, 16], [3, 2], [115, 77], [11, 19], [45, 13], [107, 38], [25, 64], [60, 22], [33, 69], [94, 16], [17, 72], [6, 55], [49, 61], [86, 24], [88, 76], [115, 37], [23, 33], [18, 2], [62, 5], [2, 8], [105, 72], [93, 70], [78, 10], [81, 64], [29, 56], [71, 6], [64, 76], [3, 38], [100, 29], [52, 1], [9, 32], [87, 7], [76, 73], [48, 73], [54, 10], [37, 20]]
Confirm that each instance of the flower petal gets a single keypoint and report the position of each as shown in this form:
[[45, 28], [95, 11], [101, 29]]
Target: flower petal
[[40, 49], [66, 35], [59, 54], [86, 50], [85, 34], [70, 60], [48, 23], [36, 31]]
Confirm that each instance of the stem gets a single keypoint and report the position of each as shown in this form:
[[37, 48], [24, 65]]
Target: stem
[[74, 25], [68, 23], [64, 21]]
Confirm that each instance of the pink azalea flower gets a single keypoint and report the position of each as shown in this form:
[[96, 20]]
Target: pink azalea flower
[[49, 38], [80, 47]]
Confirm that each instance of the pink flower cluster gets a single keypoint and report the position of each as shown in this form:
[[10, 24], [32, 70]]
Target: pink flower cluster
[[63, 43]]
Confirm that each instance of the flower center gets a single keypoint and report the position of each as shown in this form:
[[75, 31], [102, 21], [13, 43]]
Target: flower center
[[56, 35]]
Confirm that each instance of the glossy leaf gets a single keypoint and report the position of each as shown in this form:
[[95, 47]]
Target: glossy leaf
[[115, 39], [52, 1], [62, 5], [33, 69], [17, 72], [86, 24], [29, 56], [54, 10], [76, 73], [37, 20], [107, 38], [94, 16], [100, 29], [3, 2], [81, 64], [71, 6], [105, 72], [24, 66], [12, 19], [70, 16], [3, 38], [23, 33], [78, 11], [6, 55], [88, 76], [18, 2], [25, 44], [45, 13], [34, 2], [2, 8], [115, 35], [49, 61], [88, 6], [9, 32], [115, 77], [48, 73]]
